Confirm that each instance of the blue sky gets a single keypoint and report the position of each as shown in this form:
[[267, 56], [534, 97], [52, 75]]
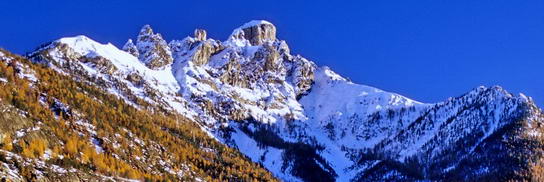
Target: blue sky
[[426, 50]]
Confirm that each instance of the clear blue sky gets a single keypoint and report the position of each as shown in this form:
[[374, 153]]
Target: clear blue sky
[[426, 50]]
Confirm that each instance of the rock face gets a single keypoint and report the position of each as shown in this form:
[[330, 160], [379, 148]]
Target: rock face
[[307, 123], [256, 32], [153, 50]]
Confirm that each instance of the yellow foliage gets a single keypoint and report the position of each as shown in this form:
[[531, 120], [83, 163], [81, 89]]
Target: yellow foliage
[[71, 146], [7, 143], [179, 139], [36, 148], [87, 153], [55, 152], [98, 162]]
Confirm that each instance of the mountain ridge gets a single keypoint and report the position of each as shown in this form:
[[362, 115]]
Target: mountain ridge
[[301, 121]]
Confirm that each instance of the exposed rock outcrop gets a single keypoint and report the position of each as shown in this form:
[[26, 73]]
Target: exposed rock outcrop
[[256, 32], [200, 34], [153, 50]]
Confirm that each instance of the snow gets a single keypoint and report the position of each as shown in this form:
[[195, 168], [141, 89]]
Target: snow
[[26, 72], [91, 129], [139, 142], [335, 113], [5, 58], [96, 144], [162, 80], [11, 171], [335, 99], [58, 169], [122, 60], [22, 132], [332, 96], [19, 134], [272, 156], [47, 154], [236, 40], [254, 99], [253, 23], [245, 143]]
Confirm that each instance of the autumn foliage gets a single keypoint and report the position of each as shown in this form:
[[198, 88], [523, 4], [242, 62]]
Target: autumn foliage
[[166, 136]]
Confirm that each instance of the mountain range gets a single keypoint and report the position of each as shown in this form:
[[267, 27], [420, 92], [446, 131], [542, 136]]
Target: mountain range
[[243, 109]]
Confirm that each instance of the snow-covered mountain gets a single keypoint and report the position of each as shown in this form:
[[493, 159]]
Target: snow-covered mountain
[[304, 122]]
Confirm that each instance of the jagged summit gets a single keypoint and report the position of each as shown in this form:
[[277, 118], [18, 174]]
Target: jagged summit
[[146, 30], [153, 49], [302, 121]]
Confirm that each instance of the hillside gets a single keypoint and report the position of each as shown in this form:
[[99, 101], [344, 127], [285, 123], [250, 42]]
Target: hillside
[[55, 128]]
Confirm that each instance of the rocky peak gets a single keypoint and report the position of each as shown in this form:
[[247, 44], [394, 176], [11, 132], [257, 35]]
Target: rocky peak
[[200, 34], [131, 48], [153, 49], [256, 32], [146, 30]]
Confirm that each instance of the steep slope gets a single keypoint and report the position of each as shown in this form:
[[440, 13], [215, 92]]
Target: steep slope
[[54, 128], [307, 123]]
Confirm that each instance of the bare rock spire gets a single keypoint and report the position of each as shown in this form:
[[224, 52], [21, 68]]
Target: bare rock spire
[[153, 49], [200, 34]]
